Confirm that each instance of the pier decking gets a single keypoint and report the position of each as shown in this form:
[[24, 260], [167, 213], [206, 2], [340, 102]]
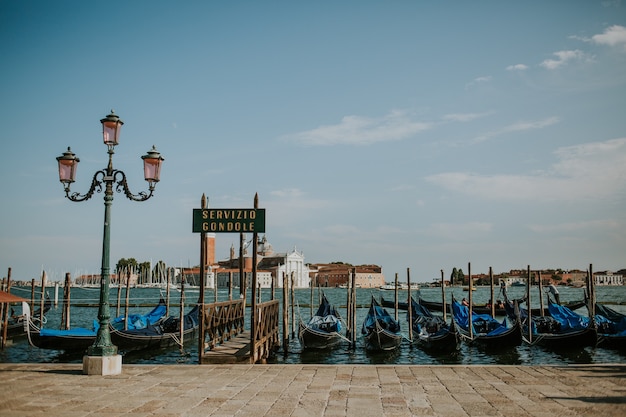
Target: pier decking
[[235, 350]]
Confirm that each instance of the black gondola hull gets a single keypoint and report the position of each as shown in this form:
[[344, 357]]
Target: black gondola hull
[[311, 338], [510, 338], [567, 340]]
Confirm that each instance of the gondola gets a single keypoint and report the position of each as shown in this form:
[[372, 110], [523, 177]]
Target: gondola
[[162, 334], [322, 331], [611, 326], [476, 308], [486, 330], [432, 332], [561, 329], [380, 331], [79, 339], [16, 327]]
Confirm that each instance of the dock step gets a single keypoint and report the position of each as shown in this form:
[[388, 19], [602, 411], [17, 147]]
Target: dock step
[[235, 350]]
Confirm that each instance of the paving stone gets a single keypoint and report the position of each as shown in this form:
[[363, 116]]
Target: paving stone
[[304, 390]]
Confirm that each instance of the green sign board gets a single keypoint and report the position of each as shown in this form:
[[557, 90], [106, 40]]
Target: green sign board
[[229, 220]]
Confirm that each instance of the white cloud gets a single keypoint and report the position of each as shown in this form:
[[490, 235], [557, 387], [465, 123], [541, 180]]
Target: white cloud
[[518, 127], [465, 117], [359, 130], [612, 36], [478, 80], [517, 67], [287, 193], [562, 58], [588, 171]]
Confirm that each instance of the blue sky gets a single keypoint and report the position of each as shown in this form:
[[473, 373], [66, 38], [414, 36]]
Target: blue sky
[[421, 135]]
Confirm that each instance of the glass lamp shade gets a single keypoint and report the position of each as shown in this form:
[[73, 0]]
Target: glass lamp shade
[[111, 127], [68, 162], [152, 165]]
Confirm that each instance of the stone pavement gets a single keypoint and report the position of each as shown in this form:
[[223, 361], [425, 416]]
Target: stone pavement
[[314, 390]]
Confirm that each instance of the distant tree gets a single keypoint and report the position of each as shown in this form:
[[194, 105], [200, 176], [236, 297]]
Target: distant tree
[[124, 263], [483, 281], [144, 272], [461, 277], [454, 276], [341, 263]]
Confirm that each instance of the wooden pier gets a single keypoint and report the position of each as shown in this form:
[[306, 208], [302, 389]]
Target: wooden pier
[[234, 350], [226, 341]]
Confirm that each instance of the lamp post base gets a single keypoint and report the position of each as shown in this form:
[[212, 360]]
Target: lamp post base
[[102, 365]]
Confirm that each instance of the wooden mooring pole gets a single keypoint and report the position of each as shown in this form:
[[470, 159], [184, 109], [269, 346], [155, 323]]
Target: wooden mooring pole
[[470, 325], [349, 310], [293, 306], [65, 315], [541, 312], [119, 293], [43, 296], [395, 297], [493, 302], [182, 313], [443, 297], [6, 313], [529, 306], [409, 308], [127, 298], [32, 295], [353, 290], [285, 315]]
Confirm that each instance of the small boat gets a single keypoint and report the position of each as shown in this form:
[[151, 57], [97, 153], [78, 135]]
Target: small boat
[[80, 338], [388, 287], [486, 330], [162, 334], [560, 329], [432, 332], [323, 329], [380, 331], [611, 326], [16, 327]]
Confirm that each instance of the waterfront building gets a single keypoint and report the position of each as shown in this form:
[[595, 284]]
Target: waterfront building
[[608, 278], [338, 275], [271, 266]]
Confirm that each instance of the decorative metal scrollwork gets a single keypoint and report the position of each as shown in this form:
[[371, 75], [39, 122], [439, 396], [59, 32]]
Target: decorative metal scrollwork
[[102, 178], [96, 186], [123, 185]]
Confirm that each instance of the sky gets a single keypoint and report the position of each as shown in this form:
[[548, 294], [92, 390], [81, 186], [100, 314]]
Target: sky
[[416, 135]]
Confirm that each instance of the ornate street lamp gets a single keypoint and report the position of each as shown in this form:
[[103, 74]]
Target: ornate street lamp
[[68, 162]]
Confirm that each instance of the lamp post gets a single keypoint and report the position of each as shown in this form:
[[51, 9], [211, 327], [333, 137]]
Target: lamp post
[[68, 162]]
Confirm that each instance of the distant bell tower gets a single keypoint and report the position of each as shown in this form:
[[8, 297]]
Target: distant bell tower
[[210, 249]]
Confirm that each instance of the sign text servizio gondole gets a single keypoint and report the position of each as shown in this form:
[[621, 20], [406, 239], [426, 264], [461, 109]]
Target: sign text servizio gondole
[[229, 220]]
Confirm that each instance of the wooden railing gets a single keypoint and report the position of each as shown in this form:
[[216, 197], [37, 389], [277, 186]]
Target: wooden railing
[[265, 331], [222, 321]]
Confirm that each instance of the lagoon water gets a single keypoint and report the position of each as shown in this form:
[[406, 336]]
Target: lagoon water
[[142, 298]]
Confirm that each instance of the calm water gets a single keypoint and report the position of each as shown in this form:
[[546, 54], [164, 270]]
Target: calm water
[[21, 351]]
